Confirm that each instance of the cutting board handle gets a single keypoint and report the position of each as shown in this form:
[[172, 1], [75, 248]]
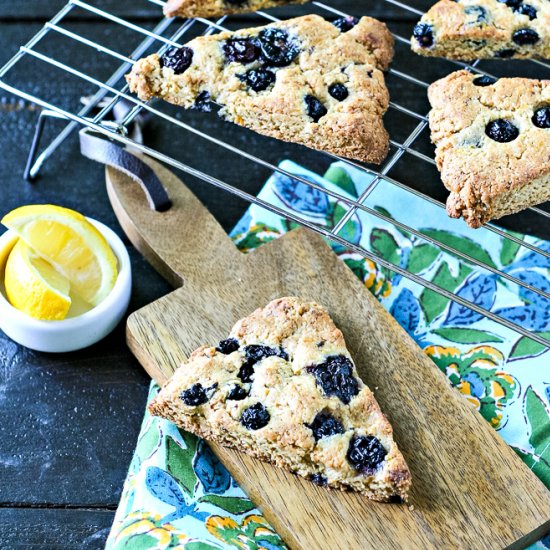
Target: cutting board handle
[[183, 243]]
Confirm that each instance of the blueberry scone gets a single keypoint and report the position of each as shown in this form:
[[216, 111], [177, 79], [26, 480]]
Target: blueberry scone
[[283, 388], [492, 142], [216, 8], [483, 29], [304, 80]]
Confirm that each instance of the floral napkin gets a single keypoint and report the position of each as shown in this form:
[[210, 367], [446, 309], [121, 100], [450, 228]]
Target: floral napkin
[[177, 494]]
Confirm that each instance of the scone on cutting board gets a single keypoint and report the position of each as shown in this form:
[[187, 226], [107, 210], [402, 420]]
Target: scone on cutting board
[[304, 80], [484, 29], [492, 141], [283, 388], [216, 8]]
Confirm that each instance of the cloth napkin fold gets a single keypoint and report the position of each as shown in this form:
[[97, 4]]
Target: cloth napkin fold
[[177, 494]]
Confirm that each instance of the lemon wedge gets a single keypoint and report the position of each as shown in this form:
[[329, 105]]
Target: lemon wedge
[[34, 287], [71, 244]]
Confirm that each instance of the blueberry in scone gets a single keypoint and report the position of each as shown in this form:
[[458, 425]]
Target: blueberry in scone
[[237, 393], [305, 80], [318, 479], [338, 91], [484, 29], [366, 453], [541, 118], [304, 408], [345, 24], [197, 394], [501, 130], [255, 353], [492, 141], [177, 59], [255, 417], [325, 425], [228, 346], [217, 8], [335, 376]]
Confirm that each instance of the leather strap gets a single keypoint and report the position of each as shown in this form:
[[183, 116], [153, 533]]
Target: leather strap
[[94, 146]]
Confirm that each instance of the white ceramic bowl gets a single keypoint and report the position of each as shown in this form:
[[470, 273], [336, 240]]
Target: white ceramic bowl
[[75, 332]]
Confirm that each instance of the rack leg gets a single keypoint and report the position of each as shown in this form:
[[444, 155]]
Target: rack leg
[[34, 146], [34, 161]]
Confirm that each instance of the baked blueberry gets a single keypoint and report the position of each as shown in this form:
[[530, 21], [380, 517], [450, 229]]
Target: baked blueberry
[[283, 354], [338, 91], [318, 479], [325, 425], [258, 79], [202, 103], [423, 33], [505, 54], [241, 50], [277, 48], [255, 353], [541, 118], [315, 109], [501, 130], [525, 37], [178, 59], [255, 417], [345, 24], [514, 4], [228, 346], [237, 393], [526, 9], [197, 394], [484, 80], [365, 453], [335, 377], [246, 372]]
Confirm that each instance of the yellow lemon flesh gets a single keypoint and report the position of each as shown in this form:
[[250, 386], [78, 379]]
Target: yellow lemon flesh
[[34, 287], [71, 244]]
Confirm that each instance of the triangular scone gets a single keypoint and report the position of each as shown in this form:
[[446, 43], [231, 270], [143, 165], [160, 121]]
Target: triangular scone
[[492, 142], [284, 389], [484, 29], [216, 8], [303, 80]]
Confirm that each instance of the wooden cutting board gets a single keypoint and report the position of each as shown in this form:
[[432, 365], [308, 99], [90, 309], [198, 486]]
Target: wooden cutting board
[[469, 490]]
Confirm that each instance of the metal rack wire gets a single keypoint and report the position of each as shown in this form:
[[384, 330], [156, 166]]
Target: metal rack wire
[[111, 91]]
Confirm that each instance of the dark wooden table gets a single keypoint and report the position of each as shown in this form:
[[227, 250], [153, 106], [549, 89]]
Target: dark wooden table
[[70, 421]]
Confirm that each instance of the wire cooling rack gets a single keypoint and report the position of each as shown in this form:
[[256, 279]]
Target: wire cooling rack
[[170, 32]]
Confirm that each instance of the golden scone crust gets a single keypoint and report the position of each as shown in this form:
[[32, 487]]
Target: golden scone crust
[[217, 8], [489, 179], [288, 385], [484, 29], [350, 126]]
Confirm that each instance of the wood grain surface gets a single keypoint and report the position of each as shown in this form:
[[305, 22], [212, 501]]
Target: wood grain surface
[[469, 489]]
